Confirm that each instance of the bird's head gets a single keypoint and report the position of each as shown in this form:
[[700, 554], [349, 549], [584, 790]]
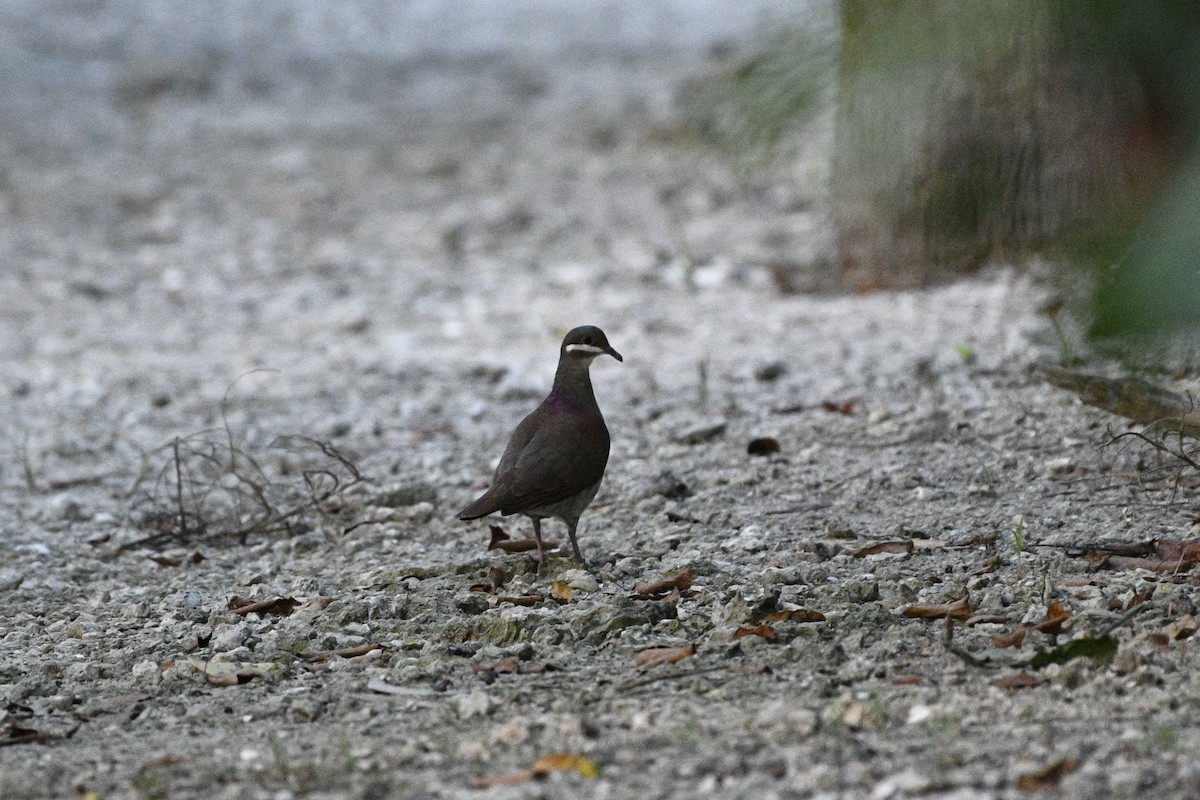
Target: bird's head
[[586, 342]]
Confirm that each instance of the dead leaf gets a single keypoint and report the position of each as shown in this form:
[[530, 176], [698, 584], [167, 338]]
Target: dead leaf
[[1018, 680], [846, 409], [272, 605], [561, 592], [676, 517], [1013, 638], [505, 666], [796, 615], [657, 656], [959, 609], [521, 600], [682, 580], [1174, 550], [1139, 598], [498, 577], [764, 631], [1056, 615], [896, 547], [565, 762], [1161, 555], [908, 680], [502, 541], [981, 619], [557, 762], [1047, 777]]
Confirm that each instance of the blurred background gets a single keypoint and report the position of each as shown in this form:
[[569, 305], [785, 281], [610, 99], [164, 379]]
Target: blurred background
[[522, 149]]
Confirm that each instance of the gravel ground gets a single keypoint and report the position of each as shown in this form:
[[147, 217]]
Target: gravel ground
[[194, 269]]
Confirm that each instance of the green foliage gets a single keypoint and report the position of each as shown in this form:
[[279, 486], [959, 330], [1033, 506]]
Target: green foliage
[[1097, 648]]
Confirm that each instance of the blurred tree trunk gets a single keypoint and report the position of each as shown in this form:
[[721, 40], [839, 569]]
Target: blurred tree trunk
[[970, 130]]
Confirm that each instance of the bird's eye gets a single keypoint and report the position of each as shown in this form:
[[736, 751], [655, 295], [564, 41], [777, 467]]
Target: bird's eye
[[587, 340]]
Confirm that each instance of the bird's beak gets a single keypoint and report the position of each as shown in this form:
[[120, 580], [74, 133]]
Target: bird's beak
[[613, 353]]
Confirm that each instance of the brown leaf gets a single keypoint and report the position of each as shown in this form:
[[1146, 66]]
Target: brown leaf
[[1139, 598], [1174, 550], [981, 619], [505, 666], [1018, 680], [498, 577], [1056, 615], [1150, 564], [1014, 638], [959, 609], [1047, 777], [908, 680], [1162, 555], [675, 517], [682, 580], [272, 605], [765, 631], [796, 615], [898, 547], [847, 408], [565, 762], [502, 541], [561, 592], [521, 600], [657, 656], [557, 762]]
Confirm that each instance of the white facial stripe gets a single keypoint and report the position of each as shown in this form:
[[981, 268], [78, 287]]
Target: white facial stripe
[[589, 349]]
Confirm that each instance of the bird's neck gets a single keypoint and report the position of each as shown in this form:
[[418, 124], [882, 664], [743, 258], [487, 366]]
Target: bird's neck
[[573, 385]]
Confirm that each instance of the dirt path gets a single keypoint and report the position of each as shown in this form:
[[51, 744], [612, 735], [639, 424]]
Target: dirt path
[[394, 282]]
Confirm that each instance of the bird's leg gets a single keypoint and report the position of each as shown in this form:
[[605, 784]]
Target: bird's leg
[[574, 545], [537, 535]]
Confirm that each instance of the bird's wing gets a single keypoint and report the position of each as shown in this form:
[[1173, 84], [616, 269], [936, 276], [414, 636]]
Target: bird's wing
[[562, 458]]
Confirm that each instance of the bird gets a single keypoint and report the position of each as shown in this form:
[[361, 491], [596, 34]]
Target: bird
[[555, 460]]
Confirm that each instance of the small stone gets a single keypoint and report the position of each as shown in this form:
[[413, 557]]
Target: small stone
[[229, 637], [472, 602], [474, 704], [147, 670], [512, 732], [580, 579]]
